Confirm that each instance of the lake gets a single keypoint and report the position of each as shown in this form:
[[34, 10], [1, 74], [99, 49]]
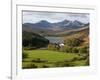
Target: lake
[[54, 39]]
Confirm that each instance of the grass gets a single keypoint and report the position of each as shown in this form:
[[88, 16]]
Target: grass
[[50, 55], [53, 58]]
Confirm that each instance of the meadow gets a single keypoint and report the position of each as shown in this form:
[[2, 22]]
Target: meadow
[[50, 58]]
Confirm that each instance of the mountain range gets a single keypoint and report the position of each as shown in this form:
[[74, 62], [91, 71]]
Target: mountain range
[[45, 27]]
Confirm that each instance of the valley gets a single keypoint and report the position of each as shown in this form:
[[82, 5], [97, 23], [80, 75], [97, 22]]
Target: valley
[[61, 44]]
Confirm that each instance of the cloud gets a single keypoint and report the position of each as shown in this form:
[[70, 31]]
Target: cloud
[[33, 17]]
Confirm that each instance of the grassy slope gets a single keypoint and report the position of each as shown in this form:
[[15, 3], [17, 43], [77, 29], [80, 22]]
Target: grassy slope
[[51, 56], [84, 32]]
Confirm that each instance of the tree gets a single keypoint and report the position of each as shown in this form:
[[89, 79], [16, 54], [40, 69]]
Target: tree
[[34, 40]]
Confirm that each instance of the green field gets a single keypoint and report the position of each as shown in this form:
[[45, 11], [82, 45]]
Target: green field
[[48, 58]]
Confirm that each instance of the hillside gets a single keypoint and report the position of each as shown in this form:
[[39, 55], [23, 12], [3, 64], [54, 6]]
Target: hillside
[[30, 39], [82, 34]]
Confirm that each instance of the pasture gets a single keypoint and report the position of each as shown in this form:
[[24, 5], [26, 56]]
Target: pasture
[[50, 58]]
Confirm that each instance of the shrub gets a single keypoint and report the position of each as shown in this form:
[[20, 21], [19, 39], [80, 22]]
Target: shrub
[[68, 49], [28, 66], [75, 50], [24, 55], [84, 49], [51, 47], [45, 66], [82, 58], [87, 61], [33, 66], [64, 64], [38, 60], [74, 59], [73, 42]]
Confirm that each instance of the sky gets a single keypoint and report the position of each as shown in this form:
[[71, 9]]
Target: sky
[[53, 17]]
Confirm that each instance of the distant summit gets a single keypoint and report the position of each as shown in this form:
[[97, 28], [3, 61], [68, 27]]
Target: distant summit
[[63, 25], [43, 23]]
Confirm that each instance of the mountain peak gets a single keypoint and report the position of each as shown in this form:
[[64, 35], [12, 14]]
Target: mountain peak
[[65, 21], [77, 22], [65, 24], [43, 21]]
